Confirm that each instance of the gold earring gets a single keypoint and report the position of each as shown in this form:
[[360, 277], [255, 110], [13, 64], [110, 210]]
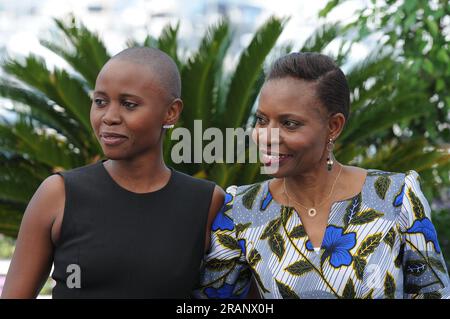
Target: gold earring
[[330, 147]]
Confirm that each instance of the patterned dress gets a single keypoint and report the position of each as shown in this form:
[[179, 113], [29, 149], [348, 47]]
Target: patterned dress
[[380, 243]]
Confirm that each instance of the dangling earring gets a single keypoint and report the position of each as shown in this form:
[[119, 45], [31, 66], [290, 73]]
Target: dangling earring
[[168, 126], [330, 162]]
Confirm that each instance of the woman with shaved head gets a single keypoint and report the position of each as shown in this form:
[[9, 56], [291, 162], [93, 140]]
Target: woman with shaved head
[[128, 226]]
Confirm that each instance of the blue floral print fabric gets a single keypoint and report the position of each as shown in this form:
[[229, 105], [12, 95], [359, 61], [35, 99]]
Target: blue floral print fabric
[[379, 244]]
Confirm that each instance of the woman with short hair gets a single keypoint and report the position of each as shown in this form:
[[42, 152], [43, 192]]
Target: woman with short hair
[[318, 228]]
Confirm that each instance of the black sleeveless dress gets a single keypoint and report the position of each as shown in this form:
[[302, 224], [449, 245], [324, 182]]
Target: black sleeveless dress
[[118, 244]]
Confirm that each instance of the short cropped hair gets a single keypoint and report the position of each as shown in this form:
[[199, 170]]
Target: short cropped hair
[[332, 88], [160, 63]]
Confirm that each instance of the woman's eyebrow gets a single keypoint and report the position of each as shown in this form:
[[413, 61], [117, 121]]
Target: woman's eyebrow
[[284, 115], [129, 95], [99, 92], [297, 116]]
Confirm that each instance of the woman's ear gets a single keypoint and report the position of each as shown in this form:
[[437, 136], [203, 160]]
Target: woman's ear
[[336, 124], [174, 112]]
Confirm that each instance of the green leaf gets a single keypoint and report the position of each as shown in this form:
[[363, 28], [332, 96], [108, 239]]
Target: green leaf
[[327, 9], [298, 232], [11, 215], [389, 239], [271, 228], [410, 7], [359, 265], [248, 72], [253, 258], [432, 26], [389, 286], [168, 42], [382, 184], [286, 213], [442, 55], [369, 295], [349, 290], [68, 91], [410, 21], [260, 283], [80, 47], [428, 66], [228, 241], [40, 147], [299, 268], [362, 125], [380, 173], [432, 295], [276, 243], [440, 85], [321, 38], [437, 264], [352, 210], [219, 264], [286, 291], [250, 195], [366, 217], [241, 227], [369, 245], [43, 110], [199, 79], [419, 211]]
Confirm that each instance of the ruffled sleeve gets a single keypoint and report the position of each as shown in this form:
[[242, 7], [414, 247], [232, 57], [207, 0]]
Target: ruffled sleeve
[[225, 272], [425, 272]]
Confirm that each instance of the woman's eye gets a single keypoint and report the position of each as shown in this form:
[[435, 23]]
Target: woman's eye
[[291, 124], [99, 102], [260, 120], [129, 105]]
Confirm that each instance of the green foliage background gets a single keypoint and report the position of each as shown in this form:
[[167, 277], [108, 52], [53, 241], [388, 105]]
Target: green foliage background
[[400, 99]]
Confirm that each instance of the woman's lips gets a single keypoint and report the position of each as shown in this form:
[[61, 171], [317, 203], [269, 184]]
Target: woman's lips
[[271, 159], [111, 139]]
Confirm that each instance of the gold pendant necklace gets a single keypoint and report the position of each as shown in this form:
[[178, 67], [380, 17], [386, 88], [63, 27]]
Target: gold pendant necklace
[[312, 211]]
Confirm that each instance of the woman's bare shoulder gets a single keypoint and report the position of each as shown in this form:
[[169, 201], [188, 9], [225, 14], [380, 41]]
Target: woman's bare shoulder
[[47, 204], [50, 192]]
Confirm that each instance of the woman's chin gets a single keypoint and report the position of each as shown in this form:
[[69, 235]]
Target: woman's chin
[[112, 155], [275, 171]]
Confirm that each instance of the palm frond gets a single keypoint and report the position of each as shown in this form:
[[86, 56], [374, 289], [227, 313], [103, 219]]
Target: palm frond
[[22, 138], [406, 155], [378, 117], [199, 75], [321, 38], [10, 218], [43, 110], [83, 49], [67, 91], [168, 42], [248, 71], [16, 184]]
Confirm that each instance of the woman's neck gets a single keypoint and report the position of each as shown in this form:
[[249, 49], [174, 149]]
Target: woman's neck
[[140, 174], [313, 187]]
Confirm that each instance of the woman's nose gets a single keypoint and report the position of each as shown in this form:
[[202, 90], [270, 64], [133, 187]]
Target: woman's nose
[[112, 114], [268, 135]]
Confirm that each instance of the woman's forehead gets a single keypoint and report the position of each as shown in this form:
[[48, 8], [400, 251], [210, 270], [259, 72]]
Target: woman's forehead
[[289, 95], [119, 75], [290, 86], [118, 69]]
